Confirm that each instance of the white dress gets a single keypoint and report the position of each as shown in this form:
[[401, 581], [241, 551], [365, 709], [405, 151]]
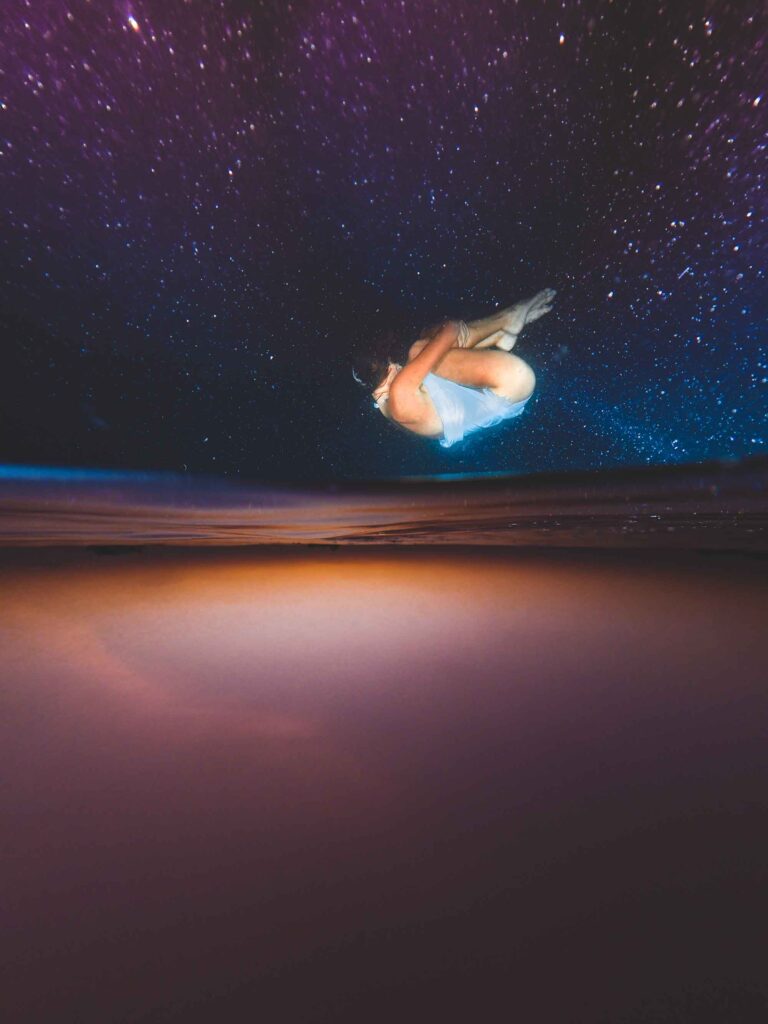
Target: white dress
[[464, 410]]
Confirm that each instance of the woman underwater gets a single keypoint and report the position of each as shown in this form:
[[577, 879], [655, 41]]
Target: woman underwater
[[460, 377]]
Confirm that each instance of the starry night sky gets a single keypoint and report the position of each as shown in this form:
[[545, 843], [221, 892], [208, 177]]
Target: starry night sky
[[206, 207]]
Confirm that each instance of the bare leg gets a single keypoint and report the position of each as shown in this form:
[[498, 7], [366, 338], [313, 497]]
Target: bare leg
[[495, 367], [506, 374], [523, 313], [482, 334], [498, 368], [492, 341], [501, 329], [480, 365], [487, 332]]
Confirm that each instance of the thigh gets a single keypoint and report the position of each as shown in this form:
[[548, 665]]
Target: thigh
[[516, 381], [416, 347], [487, 368]]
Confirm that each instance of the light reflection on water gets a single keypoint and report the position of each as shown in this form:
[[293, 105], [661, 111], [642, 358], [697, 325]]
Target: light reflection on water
[[716, 506]]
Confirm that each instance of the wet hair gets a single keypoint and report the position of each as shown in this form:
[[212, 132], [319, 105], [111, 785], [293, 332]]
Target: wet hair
[[371, 362]]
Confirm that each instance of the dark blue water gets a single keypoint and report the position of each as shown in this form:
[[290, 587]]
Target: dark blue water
[[708, 508], [209, 210]]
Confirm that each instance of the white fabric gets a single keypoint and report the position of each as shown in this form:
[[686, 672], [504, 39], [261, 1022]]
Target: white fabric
[[463, 334], [464, 410]]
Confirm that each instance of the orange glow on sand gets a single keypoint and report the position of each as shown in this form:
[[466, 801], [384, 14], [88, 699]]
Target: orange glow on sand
[[227, 768]]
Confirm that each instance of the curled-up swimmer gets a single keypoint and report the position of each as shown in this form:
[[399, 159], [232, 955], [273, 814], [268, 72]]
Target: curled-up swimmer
[[459, 376]]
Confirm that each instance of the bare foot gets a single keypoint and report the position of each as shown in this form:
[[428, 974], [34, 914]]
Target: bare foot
[[523, 313]]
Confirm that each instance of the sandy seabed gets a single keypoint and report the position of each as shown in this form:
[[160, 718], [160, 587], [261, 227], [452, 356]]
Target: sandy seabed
[[330, 785]]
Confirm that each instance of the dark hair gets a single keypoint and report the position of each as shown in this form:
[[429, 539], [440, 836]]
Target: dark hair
[[370, 362]]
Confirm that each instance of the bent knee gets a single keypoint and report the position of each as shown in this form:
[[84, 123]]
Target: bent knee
[[517, 382], [416, 347]]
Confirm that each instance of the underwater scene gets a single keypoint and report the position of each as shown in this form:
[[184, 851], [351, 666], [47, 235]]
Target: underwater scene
[[219, 218], [383, 511]]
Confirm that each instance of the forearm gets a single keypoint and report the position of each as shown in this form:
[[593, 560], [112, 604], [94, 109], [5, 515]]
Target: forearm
[[449, 336], [429, 358]]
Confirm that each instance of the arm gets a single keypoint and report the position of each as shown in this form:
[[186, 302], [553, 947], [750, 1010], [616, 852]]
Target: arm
[[405, 386]]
